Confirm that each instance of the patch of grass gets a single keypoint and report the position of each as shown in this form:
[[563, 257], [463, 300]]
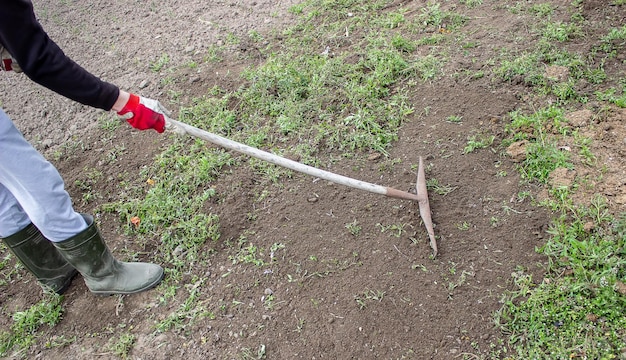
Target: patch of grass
[[249, 354], [433, 17], [525, 65], [248, 254], [617, 97], [433, 184], [542, 10], [23, 330], [169, 201], [122, 345], [542, 129], [455, 119], [191, 310], [577, 311], [560, 31], [615, 39], [471, 3]]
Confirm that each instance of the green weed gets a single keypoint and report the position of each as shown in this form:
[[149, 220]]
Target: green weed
[[362, 299], [561, 31], [160, 63], [354, 228], [471, 3], [191, 310], [433, 184], [480, 141], [122, 345]]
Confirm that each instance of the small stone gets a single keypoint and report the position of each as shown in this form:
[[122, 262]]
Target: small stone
[[143, 84], [268, 291], [312, 199], [178, 250]]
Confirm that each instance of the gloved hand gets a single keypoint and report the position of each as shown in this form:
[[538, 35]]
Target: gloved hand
[[143, 113]]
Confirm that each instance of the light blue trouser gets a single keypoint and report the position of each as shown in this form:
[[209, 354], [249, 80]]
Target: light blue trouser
[[31, 190]]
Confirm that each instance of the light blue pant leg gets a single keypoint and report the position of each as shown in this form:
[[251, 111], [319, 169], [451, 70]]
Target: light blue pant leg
[[31, 190], [12, 216]]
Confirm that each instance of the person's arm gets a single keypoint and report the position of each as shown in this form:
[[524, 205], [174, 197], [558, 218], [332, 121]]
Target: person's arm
[[44, 62]]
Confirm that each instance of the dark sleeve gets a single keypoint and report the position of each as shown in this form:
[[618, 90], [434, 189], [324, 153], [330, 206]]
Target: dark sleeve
[[44, 62]]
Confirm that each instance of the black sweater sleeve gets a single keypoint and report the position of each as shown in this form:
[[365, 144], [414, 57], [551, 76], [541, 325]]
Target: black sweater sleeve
[[44, 62]]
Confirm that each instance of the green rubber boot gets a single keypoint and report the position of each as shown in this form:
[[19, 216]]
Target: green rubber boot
[[41, 258], [103, 274]]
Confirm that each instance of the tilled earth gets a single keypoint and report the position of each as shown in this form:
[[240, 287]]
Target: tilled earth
[[336, 295]]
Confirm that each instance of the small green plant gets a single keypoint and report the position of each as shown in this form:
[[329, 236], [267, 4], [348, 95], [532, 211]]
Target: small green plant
[[478, 142], [613, 96], [455, 119], [471, 3], [214, 54], [59, 341], [463, 226], [403, 44], [354, 228], [613, 40], [561, 31], [433, 184], [247, 255], [191, 310], [395, 230], [542, 10], [123, 345], [109, 123], [369, 295], [160, 63], [248, 354], [299, 325]]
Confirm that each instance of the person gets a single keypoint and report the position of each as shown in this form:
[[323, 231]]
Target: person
[[37, 220]]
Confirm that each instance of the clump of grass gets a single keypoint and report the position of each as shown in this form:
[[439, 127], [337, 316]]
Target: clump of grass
[[23, 330], [577, 311], [560, 31], [543, 152], [480, 141]]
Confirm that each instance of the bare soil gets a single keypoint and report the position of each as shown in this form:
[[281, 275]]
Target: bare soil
[[369, 296]]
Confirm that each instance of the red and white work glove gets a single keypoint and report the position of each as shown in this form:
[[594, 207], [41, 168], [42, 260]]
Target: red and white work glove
[[7, 62], [143, 113]]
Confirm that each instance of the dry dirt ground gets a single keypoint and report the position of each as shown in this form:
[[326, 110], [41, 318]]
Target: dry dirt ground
[[414, 306]]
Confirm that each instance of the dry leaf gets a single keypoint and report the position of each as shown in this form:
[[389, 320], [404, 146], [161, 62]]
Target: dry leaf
[[135, 221]]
